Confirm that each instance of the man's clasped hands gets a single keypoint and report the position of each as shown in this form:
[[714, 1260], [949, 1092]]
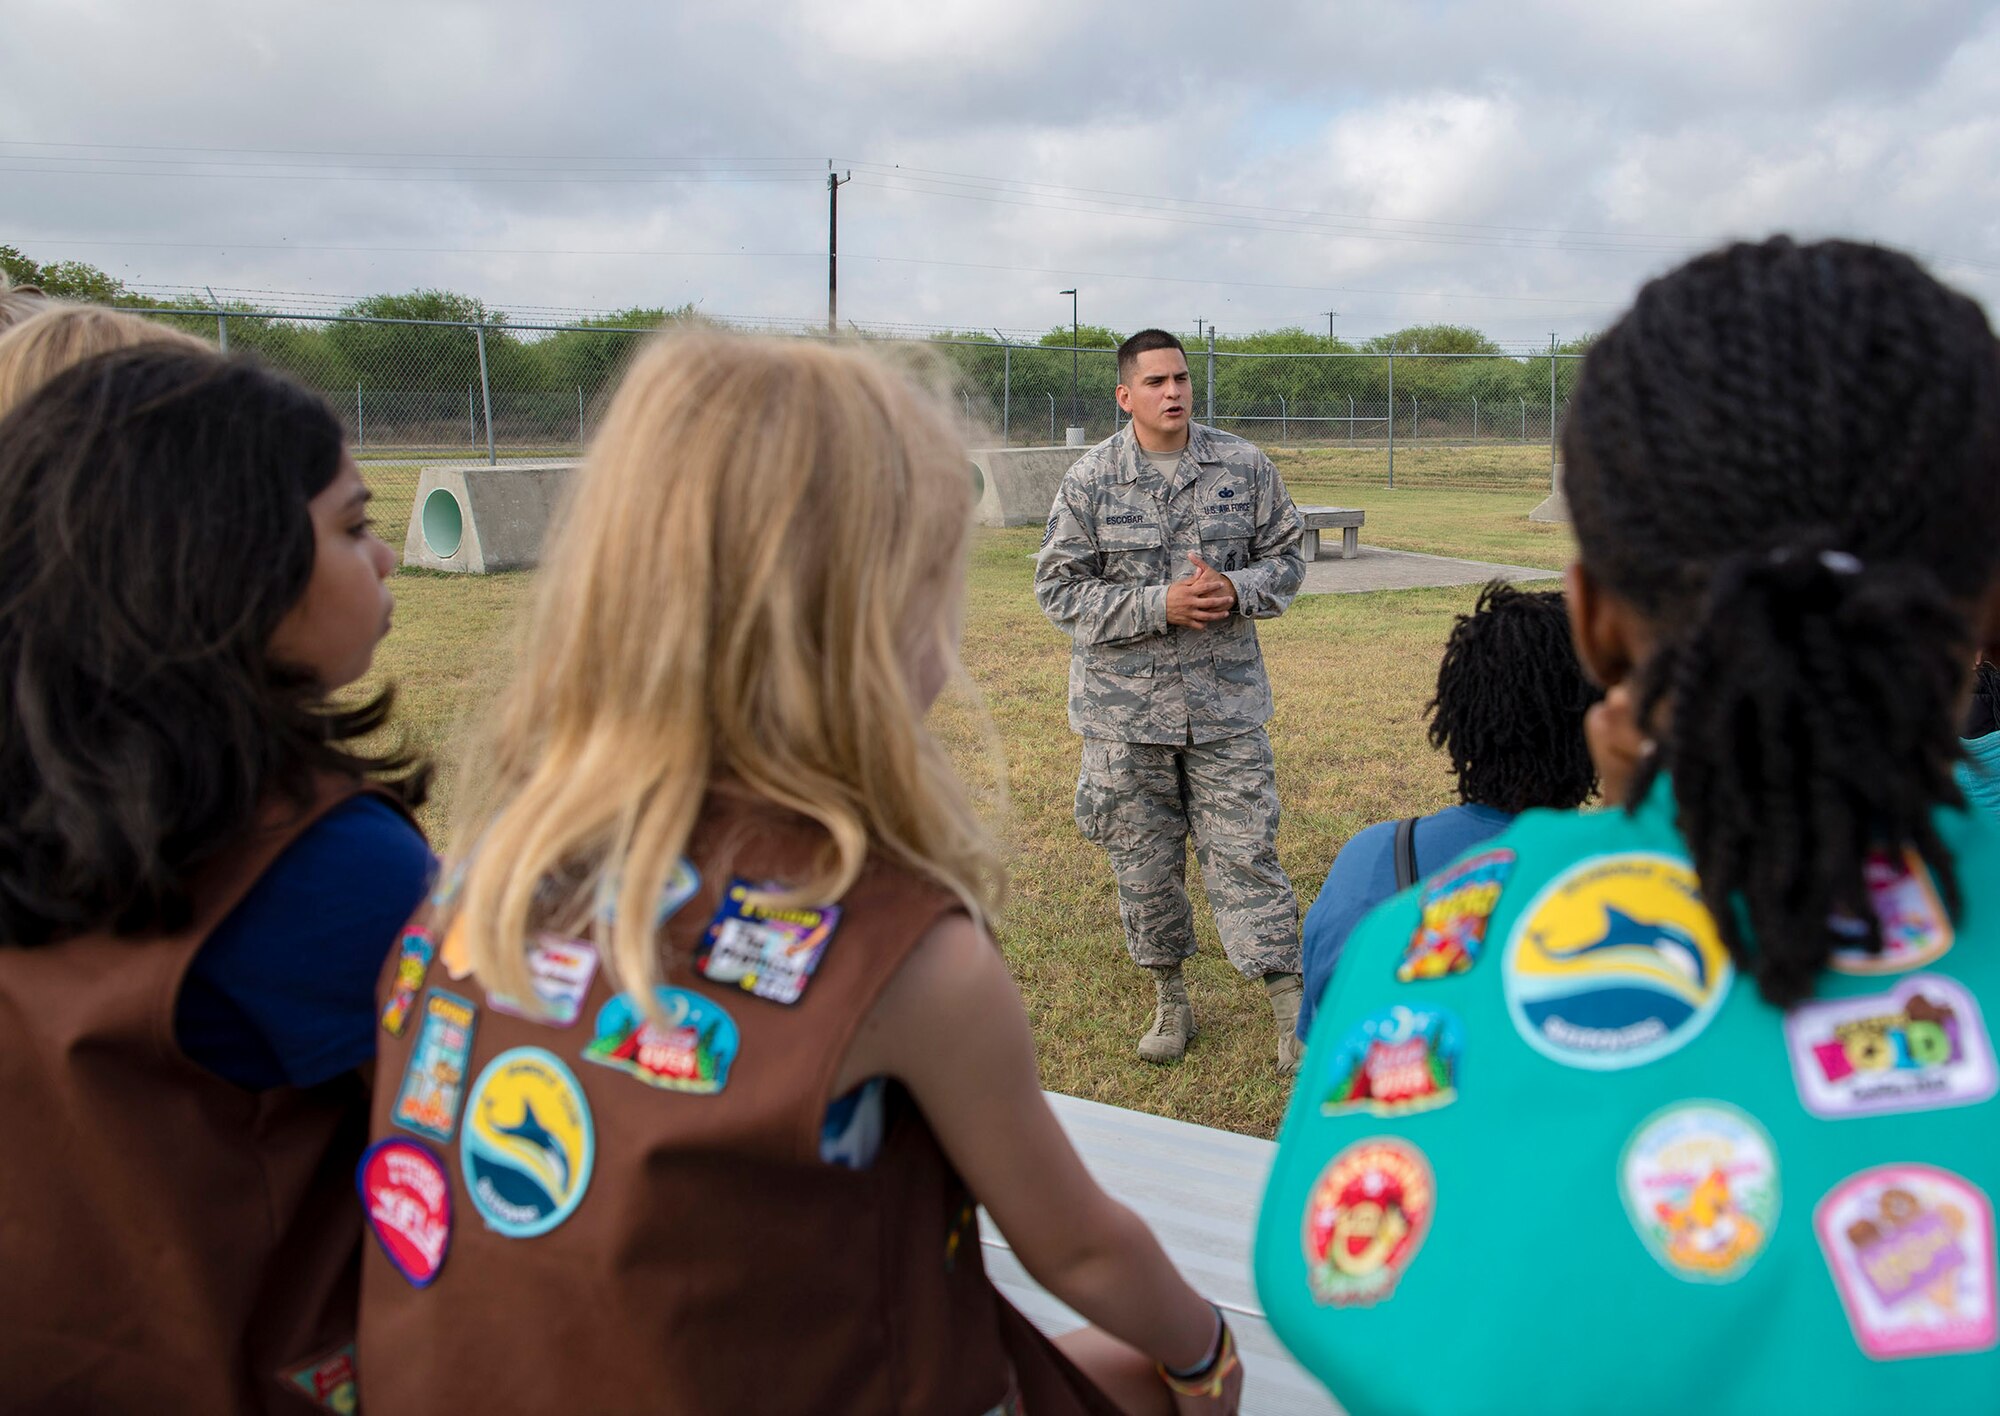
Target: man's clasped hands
[[1200, 599]]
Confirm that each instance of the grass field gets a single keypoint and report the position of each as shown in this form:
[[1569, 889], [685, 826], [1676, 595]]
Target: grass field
[[1350, 674]]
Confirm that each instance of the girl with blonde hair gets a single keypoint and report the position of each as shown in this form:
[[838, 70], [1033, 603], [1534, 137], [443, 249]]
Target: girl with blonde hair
[[55, 336], [705, 1036]]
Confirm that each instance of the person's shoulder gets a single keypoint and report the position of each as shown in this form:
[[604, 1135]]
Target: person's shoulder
[[1365, 848], [364, 838], [1229, 447], [1097, 461]]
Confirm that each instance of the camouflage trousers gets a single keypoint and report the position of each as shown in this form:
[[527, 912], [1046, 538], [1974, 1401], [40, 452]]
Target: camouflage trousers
[[1140, 801]]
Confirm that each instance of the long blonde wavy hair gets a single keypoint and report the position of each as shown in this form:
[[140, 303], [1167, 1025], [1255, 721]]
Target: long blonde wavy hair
[[757, 577]]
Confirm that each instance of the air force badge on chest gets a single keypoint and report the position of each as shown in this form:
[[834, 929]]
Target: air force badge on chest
[[763, 949]]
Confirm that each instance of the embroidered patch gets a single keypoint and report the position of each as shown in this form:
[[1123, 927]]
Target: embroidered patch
[[406, 1198], [330, 1381], [1131, 519], [1615, 963], [683, 884], [1700, 1181], [413, 961], [1911, 1250], [1366, 1217], [765, 951], [1920, 1046], [1398, 1061], [1915, 928], [528, 1146], [690, 1051], [560, 971], [1454, 907], [453, 953], [1225, 492], [434, 1077]]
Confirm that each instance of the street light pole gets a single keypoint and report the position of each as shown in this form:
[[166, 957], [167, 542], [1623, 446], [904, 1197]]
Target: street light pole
[[1329, 323], [1073, 329]]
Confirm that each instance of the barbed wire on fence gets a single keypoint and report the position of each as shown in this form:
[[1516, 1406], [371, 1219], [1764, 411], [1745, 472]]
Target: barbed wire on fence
[[419, 388]]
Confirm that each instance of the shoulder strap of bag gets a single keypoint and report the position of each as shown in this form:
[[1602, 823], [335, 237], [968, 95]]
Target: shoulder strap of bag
[[1406, 852]]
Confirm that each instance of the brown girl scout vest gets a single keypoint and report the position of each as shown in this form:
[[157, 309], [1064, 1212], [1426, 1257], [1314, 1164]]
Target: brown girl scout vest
[[169, 1242], [583, 1210]]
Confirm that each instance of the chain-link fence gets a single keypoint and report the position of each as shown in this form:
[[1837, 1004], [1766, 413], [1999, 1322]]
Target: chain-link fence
[[430, 388]]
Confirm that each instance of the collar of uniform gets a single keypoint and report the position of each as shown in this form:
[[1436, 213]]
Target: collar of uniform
[[1200, 443]]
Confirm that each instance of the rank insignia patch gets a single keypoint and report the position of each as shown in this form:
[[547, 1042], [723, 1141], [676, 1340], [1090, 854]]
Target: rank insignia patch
[[413, 961], [406, 1198], [1398, 1061], [1455, 905], [1921, 1045], [1911, 1251], [763, 950], [1700, 1182], [434, 1077], [529, 1145], [1365, 1219], [690, 1050], [560, 970], [330, 1381], [1615, 963]]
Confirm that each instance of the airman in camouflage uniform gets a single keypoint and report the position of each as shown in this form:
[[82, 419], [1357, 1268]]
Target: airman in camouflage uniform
[[1172, 714]]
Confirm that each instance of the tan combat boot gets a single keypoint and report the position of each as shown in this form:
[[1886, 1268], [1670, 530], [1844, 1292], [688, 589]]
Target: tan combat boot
[[1173, 1018], [1285, 990]]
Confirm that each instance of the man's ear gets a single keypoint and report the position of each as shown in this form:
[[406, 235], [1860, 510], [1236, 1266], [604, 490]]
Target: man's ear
[[1605, 630], [1124, 396]]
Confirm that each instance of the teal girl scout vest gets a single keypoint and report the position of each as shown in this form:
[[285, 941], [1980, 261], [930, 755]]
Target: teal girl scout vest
[[1549, 1152]]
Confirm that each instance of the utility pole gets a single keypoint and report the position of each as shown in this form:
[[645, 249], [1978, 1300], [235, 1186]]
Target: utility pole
[[834, 182], [1329, 323], [1198, 323], [1073, 333]]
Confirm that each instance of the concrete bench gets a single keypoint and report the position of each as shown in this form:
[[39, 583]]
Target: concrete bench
[[1198, 1189], [1325, 518]]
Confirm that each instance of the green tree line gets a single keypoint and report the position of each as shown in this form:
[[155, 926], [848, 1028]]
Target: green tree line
[[582, 355]]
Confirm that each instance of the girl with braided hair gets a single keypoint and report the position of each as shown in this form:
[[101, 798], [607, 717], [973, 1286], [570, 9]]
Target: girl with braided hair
[[1727, 1129]]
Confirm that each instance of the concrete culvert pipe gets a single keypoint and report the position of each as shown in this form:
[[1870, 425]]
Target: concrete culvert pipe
[[443, 524]]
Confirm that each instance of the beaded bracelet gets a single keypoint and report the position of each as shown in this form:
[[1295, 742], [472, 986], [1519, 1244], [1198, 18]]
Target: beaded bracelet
[[1206, 1380]]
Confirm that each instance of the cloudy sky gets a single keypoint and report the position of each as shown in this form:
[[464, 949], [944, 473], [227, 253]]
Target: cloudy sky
[[1516, 167]]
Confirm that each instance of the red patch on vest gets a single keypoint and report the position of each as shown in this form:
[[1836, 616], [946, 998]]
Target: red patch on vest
[[330, 1381], [406, 1196]]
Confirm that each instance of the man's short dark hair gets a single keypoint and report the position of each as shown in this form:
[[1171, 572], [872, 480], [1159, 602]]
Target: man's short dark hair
[[1510, 703], [1144, 342]]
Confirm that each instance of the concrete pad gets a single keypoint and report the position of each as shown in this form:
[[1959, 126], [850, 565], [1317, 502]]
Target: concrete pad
[[1555, 506], [1376, 569]]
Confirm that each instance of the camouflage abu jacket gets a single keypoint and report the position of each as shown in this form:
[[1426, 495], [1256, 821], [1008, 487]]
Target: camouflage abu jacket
[[1118, 534]]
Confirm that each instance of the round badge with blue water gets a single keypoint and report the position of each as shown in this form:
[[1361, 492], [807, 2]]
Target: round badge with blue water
[[1616, 963], [528, 1144]]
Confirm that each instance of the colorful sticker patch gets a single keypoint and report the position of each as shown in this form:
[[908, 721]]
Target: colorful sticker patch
[[1911, 1250], [453, 953], [413, 961], [1616, 963], [1366, 1217], [529, 1145], [763, 950], [1700, 1181], [689, 1050], [434, 1077], [1920, 1046], [683, 883], [1915, 928], [406, 1197], [330, 1382], [1398, 1061], [560, 970], [1455, 906]]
